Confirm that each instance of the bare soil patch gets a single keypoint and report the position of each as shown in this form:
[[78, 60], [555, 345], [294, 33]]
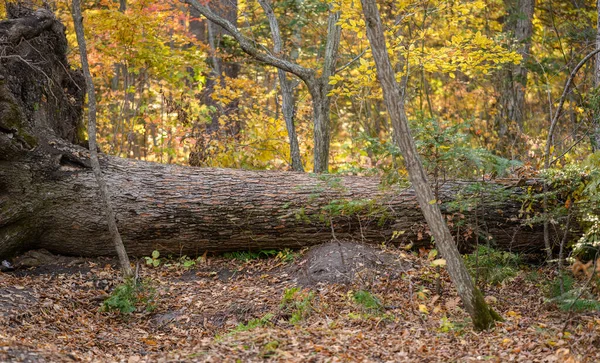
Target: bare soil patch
[[342, 262]]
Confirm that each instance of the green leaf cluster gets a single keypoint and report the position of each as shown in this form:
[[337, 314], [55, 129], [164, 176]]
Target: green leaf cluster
[[131, 296], [297, 303]]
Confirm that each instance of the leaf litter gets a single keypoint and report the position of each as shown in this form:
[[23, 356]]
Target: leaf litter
[[224, 309]]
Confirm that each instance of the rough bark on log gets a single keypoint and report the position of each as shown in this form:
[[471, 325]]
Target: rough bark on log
[[190, 210], [48, 195]]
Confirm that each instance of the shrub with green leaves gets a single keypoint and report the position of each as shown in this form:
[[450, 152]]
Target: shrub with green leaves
[[131, 296], [573, 193], [446, 148], [571, 297], [492, 266]]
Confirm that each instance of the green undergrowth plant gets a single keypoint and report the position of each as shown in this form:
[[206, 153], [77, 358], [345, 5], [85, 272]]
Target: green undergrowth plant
[[456, 327], [574, 296], [367, 301], [188, 262], [269, 350], [154, 259], [287, 255], [573, 194], [492, 266], [249, 255], [297, 303], [131, 296], [184, 261], [252, 324], [446, 148]]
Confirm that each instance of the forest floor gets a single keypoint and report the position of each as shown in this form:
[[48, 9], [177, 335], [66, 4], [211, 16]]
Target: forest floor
[[225, 309]]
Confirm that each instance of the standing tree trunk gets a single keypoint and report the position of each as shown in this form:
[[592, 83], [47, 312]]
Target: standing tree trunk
[[596, 132], [213, 35], [513, 78], [483, 317], [320, 94], [104, 192], [287, 91]]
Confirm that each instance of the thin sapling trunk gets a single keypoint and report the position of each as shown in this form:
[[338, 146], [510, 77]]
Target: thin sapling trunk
[[104, 192]]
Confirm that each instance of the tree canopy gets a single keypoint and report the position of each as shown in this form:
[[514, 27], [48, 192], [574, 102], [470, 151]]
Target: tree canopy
[[152, 61]]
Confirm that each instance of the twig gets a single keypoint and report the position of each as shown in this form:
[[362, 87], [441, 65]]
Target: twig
[[332, 229], [561, 103], [568, 149], [350, 63], [362, 236], [561, 252]]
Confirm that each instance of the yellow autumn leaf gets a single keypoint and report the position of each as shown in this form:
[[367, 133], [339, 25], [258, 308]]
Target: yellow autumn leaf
[[439, 262]]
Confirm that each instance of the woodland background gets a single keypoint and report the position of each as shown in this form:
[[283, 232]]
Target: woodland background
[[493, 89], [482, 81]]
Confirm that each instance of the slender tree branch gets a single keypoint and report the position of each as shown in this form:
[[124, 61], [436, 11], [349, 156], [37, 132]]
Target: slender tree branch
[[558, 111], [569, 149], [553, 123], [351, 62], [249, 46]]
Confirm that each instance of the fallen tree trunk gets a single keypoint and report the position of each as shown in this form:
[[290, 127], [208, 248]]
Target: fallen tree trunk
[[49, 197], [188, 210]]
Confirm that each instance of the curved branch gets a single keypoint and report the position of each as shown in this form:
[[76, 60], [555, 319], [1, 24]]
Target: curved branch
[[561, 103], [553, 124], [249, 46]]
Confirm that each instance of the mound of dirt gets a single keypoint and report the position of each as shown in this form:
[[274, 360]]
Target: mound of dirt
[[343, 262]]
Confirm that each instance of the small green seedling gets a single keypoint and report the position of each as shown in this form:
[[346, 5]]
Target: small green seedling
[[154, 260]]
